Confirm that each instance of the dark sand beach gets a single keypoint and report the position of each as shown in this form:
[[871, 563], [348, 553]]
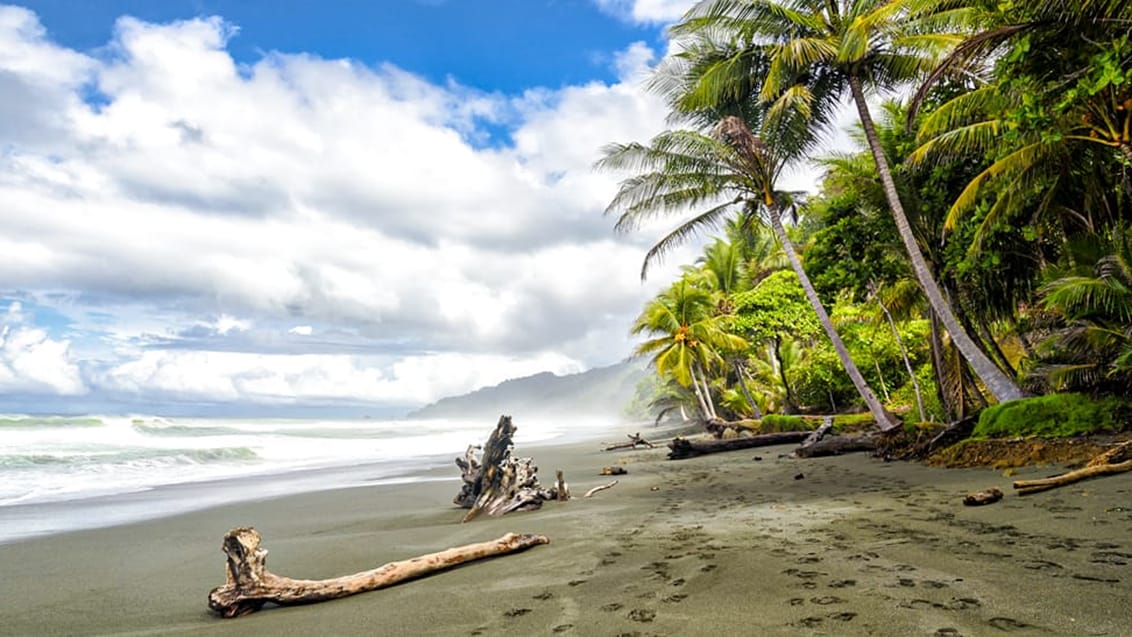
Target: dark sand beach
[[717, 545]]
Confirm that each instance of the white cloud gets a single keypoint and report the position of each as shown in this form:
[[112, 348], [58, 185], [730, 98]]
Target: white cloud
[[298, 379], [229, 207], [647, 11], [33, 363]]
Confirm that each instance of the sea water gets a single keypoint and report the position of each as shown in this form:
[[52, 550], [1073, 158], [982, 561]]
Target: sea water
[[60, 473]]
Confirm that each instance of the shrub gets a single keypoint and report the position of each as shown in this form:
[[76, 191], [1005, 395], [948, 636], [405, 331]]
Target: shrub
[[1053, 416]]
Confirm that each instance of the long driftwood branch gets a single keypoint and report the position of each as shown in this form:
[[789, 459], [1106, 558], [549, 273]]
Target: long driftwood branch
[[1115, 460], [681, 448], [250, 585]]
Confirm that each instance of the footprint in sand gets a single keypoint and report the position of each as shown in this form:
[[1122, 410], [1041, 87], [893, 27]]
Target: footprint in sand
[[964, 603], [827, 600], [642, 615], [675, 598], [516, 612], [543, 596], [842, 617], [1007, 624], [612, 607], [842, 583], [561, 628]]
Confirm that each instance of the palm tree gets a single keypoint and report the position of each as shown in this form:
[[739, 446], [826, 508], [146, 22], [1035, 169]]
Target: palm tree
[[731, 172], [780, 50], [1094, 348], [1057, 114], [687, 338]]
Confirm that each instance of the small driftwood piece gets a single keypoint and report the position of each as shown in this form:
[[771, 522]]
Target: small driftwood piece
[[981, 498], [250, 585], [600, 488], [614, 471], [562, 490], [1115, 460], [499, 483], [681, 448], [634, 441]]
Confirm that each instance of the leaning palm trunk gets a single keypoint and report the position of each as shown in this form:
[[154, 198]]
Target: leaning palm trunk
[[706, 389], [704, 411], [740, 372], [997, 382], [884, 419]]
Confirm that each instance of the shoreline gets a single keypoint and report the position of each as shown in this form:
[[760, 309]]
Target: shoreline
[[721, 544], [41, 518]]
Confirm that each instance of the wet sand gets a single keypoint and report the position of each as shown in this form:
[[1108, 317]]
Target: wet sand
[[717, 545]]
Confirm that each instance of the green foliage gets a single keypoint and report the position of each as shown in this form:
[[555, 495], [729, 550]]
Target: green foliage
[[1053, 416], [777, 306], [855, 247], [904, 398], [778, 423]]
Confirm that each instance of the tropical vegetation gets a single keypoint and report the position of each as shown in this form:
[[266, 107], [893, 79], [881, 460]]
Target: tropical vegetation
[[973, 250]]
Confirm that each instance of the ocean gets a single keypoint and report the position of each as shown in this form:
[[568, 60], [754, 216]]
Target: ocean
[[62, 473]]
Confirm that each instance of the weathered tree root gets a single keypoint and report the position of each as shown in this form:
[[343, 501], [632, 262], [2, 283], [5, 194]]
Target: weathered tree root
[[250, 585], [499, 483]]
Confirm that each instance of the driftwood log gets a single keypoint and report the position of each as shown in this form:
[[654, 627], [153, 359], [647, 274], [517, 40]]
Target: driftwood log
[[250, 585], [635, 440], [837, 445], [1115, 460], [497, 482], [681, 448]]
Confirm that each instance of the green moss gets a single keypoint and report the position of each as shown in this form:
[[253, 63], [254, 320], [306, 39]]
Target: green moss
[[776, 423], [853, 421], [1053, 416]]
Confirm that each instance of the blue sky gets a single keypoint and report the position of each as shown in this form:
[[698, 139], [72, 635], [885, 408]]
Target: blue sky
[[314, 207], [492, 45]]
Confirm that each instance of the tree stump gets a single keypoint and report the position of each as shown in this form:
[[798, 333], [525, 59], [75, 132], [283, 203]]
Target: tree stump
[[499, 483], [250, 585]]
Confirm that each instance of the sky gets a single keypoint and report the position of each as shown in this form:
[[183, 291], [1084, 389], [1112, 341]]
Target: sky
[[274, 207]]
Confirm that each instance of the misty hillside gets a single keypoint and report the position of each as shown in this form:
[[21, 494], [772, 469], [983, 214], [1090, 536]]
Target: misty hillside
[[601, 391]]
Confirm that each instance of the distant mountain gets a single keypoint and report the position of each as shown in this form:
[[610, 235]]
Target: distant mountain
[[602, 391]]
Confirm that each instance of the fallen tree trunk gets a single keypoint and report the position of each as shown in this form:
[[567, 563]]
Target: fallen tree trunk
[[681, 448], [837, 445], [250, 585], [498, 482], [1115, 460]]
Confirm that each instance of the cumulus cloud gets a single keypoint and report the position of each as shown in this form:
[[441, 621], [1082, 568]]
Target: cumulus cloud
[[646, 11], [196, 203], [33, 363]]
